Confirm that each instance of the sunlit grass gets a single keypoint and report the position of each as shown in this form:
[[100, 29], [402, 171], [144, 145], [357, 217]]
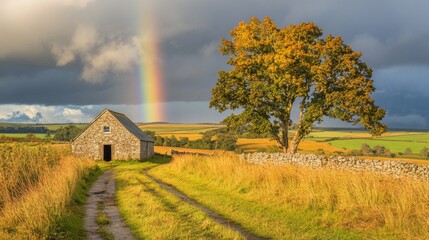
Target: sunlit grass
[[39, 189], [153, 213], [302, 203]]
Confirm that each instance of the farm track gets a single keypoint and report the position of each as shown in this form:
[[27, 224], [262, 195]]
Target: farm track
[[103, 191], [216, 217]]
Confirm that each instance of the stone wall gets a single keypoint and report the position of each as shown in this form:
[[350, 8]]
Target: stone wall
[[90, 143], [396, 168]]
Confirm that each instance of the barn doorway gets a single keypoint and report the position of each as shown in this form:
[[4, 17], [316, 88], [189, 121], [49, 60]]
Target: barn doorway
[[107, 152]]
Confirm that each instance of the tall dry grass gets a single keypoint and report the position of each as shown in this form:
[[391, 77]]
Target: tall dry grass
[[345, 200], [36, 185]]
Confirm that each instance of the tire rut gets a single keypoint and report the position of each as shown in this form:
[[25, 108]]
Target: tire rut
[[216, 217]]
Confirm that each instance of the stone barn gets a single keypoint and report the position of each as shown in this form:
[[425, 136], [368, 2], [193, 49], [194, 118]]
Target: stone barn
[[110, 136]]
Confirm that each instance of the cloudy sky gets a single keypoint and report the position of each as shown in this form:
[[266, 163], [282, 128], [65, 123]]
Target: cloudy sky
[[65, 60]]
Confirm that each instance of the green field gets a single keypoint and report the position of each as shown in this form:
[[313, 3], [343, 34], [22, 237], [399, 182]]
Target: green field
[[394, 146], [409, 137], [23, 135], [395, 141]]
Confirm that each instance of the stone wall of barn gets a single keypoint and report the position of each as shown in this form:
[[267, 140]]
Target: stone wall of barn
[[90, 143], [146, 150]]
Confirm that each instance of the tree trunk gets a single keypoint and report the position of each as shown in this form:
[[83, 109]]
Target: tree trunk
[[295, 142], [297, 137], [284, 128]]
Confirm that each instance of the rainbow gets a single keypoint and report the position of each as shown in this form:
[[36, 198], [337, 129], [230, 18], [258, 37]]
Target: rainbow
[[150, 78]]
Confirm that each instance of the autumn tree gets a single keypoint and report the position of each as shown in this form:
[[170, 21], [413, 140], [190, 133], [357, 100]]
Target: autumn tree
[[274, 69]]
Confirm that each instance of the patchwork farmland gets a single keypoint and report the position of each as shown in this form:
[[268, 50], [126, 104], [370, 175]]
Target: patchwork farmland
[[330, 141], [184, 192]]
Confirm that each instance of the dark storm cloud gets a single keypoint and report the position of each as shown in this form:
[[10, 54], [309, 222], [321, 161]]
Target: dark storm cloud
[[62, 87], [45, 55], [402, 91]]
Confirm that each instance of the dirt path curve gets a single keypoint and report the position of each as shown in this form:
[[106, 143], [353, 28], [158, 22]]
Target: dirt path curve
[[103, 192], [216, 217]]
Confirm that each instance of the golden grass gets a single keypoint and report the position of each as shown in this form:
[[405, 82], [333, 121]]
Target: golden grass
[[154, 213], [37, 184], [337, 203]]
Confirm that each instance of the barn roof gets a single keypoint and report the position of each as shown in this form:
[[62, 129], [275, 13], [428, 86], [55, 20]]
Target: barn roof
[[130, 126], [126, 122]]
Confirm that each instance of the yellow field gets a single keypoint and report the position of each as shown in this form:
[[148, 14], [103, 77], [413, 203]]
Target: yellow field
[[167, 150], [191, 131], [179, 128], [191, 136], [255, 144]]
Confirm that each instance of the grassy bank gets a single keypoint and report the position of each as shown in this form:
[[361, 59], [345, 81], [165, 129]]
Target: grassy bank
[[153, 213], [299, 203], [40, 188]]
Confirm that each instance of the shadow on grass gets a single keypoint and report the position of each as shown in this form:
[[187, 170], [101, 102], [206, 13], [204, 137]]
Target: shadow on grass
[[159, 159]]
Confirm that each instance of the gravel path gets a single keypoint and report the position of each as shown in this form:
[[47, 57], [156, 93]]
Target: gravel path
[[216, 217], [103, 191]]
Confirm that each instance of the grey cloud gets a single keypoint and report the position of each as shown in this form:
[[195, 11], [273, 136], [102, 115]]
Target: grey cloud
[[49, 47], [63, 87]]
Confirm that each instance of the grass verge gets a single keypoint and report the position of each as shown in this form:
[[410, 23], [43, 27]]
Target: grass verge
[[286, 202]]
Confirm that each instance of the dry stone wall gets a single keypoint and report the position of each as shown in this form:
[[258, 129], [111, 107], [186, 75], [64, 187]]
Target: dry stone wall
[[396, 168]]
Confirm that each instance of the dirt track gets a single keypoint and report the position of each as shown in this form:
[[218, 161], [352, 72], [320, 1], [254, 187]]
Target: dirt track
[[103, 191]]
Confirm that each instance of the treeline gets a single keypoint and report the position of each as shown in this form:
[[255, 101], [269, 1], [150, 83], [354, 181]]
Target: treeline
[[366, 150], [24, 129], [220, 139]]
